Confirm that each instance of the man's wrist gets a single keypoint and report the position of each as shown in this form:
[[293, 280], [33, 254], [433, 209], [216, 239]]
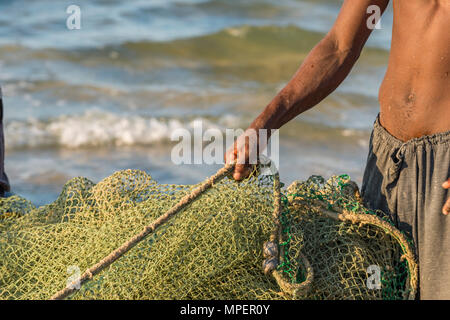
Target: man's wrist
[[268, 119]]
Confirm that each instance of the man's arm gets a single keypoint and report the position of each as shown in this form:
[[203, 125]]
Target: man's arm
[[323, 70]]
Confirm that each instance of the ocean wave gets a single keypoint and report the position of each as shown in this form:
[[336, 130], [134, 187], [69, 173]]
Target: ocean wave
[[233, 49], [109, 23], [97, 128], [239, 47], [113, 22], [244, 43], [238, 41]]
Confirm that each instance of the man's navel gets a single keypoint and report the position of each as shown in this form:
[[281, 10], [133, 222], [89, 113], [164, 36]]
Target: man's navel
[[411, 98]]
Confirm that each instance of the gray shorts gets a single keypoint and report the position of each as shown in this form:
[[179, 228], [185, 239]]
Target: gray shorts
[[404, 180]]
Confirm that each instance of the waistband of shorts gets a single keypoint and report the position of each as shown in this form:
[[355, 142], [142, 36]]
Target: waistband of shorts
[[380, 133]]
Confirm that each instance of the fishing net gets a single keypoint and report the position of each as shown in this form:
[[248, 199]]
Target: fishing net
[[197, 242], [212, 250], [333, 247]]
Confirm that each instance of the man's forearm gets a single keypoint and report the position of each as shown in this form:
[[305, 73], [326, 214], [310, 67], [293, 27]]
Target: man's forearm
[[323, 70]]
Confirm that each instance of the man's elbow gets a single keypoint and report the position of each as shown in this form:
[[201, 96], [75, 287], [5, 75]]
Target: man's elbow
[[347, 51]]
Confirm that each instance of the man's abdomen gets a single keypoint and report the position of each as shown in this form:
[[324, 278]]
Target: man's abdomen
[[415, 94]]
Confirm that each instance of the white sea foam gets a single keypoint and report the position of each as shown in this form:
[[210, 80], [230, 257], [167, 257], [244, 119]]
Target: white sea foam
[[98, 128]]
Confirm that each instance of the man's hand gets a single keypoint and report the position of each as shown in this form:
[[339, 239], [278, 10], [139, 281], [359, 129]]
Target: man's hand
[[245, 153], [446, 208]]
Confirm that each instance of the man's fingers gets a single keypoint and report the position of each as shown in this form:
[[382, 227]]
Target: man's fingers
[[446, 184], [446, 208], [241, 171]]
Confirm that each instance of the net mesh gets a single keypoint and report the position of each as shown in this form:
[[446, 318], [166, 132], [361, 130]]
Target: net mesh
[[210, 250], [355, 253]]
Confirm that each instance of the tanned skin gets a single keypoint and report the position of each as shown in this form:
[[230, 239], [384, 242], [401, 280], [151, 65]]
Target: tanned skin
[[414, 96]]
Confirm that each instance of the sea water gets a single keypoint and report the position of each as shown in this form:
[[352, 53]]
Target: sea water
[[106, 97]]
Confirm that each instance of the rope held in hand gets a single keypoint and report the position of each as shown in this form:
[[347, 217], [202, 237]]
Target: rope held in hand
[[127, 246]]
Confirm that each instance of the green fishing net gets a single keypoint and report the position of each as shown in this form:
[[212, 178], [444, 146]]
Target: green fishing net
[[212, 249], [351, 252]]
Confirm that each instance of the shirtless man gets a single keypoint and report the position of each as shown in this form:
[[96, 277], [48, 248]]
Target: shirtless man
[[408, 167]]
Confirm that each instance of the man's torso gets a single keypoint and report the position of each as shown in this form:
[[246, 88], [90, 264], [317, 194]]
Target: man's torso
[[415, 93]]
